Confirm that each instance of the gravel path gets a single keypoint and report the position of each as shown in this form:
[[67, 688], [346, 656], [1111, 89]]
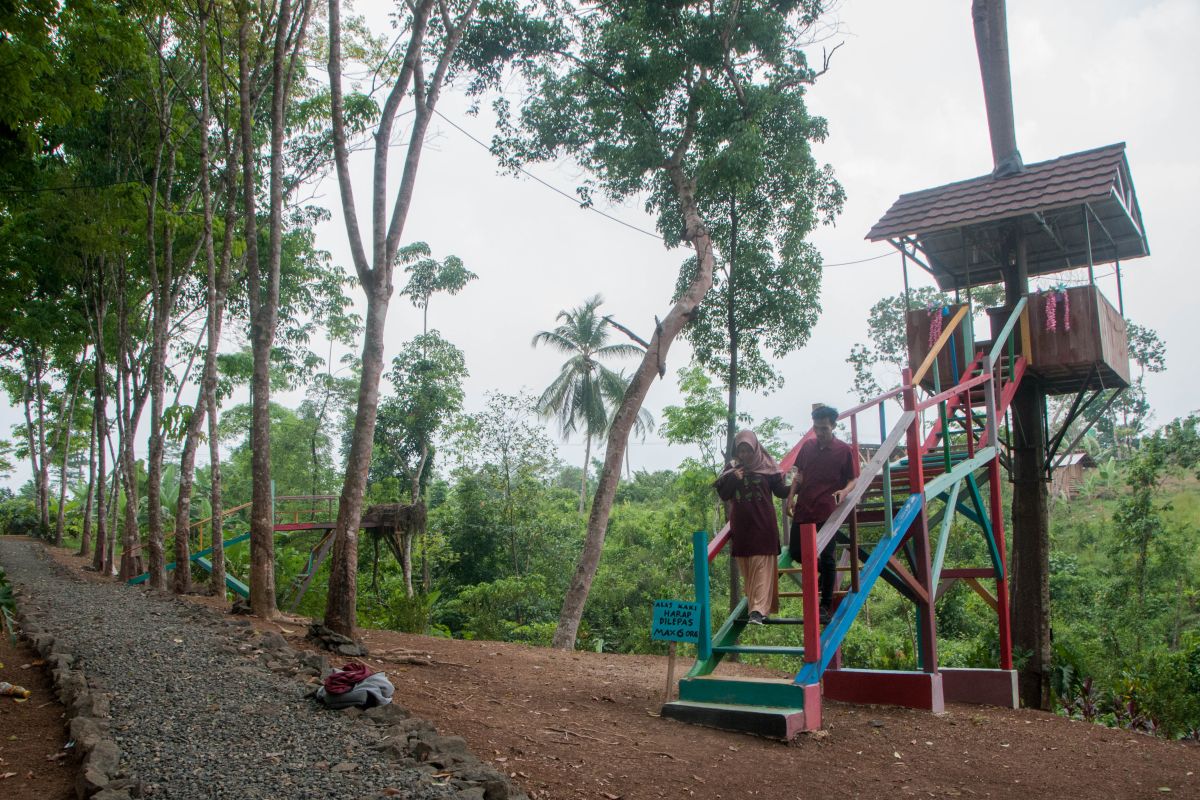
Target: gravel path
[[194, 717]]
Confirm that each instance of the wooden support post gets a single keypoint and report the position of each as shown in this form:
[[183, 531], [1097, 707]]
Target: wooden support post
[[700, 581], [1087, 232], [854, 514], [670, 672], [1002, 610], [1120, 294], [919, 533], [812, 600]]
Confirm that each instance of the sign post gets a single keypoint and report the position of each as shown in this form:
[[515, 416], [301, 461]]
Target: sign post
[[675, 621]]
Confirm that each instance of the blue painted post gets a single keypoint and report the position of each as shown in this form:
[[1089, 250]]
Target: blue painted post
[[700, 572]]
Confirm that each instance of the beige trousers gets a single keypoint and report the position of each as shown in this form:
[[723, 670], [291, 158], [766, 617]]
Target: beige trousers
[[760, 579]]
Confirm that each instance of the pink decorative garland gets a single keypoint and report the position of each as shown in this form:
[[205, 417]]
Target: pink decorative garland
[[935, 325], [1052, 298]]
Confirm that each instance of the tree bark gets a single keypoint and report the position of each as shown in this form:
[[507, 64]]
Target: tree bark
[[187, 463], [160, 304], [100, 415], [376, 276], [735, 590], [264, 283], [341, 605], [587, 457], [1030, 573], [43, 454], [65, 443], [30, 435], [85, 538], [618, 435]]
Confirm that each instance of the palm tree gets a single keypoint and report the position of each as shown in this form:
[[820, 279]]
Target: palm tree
[[584, 391]]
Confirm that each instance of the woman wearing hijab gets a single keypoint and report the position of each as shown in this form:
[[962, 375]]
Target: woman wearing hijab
[[748, 485]]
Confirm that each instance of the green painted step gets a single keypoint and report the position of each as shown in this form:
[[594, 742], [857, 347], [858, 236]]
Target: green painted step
[[766, 649], [773, 722], [776, 692], [233, 583]]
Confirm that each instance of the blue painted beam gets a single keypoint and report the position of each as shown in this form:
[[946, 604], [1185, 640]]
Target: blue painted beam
[[985, 523], [847, 611], [231, 582], [145, 576]]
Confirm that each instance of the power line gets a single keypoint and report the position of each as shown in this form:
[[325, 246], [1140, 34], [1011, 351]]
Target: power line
[[551, 187], [575, 200]]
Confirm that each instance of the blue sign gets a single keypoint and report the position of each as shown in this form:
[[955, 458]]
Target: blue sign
[[676, 621]]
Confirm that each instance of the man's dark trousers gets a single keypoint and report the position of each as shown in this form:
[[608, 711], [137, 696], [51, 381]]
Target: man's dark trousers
[[826, 563]]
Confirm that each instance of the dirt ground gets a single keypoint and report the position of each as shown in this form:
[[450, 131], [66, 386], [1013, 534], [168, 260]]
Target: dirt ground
[[573, 724], [33, 765]]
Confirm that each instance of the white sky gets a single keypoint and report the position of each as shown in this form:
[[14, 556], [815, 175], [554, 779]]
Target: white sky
[[905, 110]]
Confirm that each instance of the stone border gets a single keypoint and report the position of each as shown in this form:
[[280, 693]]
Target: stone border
[[100, 775], [412, 742]]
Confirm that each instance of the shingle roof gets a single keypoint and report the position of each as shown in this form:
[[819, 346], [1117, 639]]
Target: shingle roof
[[1069, 180], [958, 228]]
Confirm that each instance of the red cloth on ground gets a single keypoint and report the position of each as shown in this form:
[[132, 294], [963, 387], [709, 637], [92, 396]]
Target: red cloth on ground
[[350, 675]]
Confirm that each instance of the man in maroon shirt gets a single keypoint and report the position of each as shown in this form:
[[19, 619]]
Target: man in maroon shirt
[[824, 474]]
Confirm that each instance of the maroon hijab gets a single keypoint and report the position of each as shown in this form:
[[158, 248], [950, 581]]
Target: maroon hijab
[[760, 462]]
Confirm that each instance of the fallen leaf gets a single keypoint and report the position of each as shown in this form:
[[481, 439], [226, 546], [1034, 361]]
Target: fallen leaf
[[5, 775], [896, 753]]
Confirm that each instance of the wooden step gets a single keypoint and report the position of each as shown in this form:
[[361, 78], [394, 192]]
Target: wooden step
[[837, 595], [775, 723], [798, 570], [761, 649]]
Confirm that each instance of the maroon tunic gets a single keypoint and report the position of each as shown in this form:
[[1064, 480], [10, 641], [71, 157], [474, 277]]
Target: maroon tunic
[[826, 469], [752, 516]]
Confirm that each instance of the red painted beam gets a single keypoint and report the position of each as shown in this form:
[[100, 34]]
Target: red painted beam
[[921, 690], [969, 572], [990, 687]]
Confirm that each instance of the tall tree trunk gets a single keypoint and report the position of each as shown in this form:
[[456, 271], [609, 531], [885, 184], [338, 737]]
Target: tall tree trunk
[[219, 287], [100, 415], [187, 461], [215, 501], [264, 288], [1030, 574], [262, 528], [43, 455], [618, 435], [31, 431], [130, 401], [114, 494], [341, 605], [587, 457], [85, 538], [64, 441], [735, 590], [376, 275], [160, 311]]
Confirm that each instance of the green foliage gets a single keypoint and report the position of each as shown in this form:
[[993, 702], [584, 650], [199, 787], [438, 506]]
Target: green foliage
[[427, 375], [581, 397], [700, 421], [8, 608]]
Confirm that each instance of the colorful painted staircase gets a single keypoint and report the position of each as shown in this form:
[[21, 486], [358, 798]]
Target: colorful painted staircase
[[912, 483]]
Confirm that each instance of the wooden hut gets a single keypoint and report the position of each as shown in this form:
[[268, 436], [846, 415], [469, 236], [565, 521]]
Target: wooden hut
[[1069, 475]]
